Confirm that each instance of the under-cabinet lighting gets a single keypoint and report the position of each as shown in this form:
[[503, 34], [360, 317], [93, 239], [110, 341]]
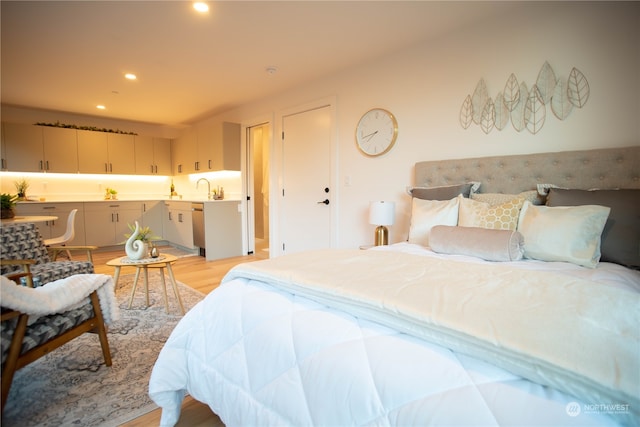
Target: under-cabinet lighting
[[86, 176], [214, 175]]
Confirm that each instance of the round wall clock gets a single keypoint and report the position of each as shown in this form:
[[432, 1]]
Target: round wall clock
[[376, 132]]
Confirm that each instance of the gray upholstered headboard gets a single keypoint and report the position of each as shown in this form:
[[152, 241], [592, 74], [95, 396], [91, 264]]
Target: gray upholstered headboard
[[601, 168]]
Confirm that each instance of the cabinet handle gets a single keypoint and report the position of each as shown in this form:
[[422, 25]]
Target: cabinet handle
[[151, 168], [170, 217], [179, 168], [41, 165], [47, 162], [110, 167], [179, 217], [196, 165], [49, 207], [209, 163], [106, 168]]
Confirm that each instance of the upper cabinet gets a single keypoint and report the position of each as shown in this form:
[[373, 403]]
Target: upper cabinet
[[101, 152], [31, 148], [153, 155], [213, 147]]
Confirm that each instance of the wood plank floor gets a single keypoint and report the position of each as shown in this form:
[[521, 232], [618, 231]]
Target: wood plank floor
[[203, 276]]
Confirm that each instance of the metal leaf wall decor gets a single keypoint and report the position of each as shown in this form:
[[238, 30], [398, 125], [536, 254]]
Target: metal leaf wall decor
[[525, 108]]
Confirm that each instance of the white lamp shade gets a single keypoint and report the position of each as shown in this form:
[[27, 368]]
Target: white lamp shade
[[382, 213]]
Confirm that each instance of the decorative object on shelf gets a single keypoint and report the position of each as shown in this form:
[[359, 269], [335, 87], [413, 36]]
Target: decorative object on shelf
[[110, 194], [22, 185], [376, 132], [382, 214], [91, 128], [137, 244], [527, 109], [7, 205]]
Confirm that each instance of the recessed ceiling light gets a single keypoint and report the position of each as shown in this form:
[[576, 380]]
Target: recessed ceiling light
[[101, 107], [130, 76], [201, 6]]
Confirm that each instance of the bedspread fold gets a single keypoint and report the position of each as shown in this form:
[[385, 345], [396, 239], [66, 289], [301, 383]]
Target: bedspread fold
[[569, 333]]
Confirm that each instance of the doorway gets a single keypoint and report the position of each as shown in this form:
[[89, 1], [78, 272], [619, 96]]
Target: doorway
[[258, 188]]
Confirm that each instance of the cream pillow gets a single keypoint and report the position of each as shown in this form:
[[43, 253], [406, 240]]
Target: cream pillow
[[563, 233], [501, 217], [427, 213]]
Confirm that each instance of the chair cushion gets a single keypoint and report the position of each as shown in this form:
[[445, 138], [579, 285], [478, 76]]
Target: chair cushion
[[43, 329], [55, 270]]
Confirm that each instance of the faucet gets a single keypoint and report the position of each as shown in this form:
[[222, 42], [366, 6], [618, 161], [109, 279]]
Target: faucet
[[208, 186]]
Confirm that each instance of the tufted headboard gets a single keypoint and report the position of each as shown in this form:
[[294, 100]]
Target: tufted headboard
[[601, 168]]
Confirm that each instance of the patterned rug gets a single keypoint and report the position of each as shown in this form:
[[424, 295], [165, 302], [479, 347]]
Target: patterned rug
[[71, 386]]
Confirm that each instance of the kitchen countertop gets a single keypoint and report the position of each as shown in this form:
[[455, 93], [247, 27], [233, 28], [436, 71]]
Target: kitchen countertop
[[175, 199]]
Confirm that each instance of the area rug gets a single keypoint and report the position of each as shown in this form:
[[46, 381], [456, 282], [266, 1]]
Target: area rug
[[71, 386]]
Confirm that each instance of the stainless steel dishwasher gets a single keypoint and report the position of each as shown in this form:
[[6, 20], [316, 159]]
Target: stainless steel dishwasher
[[198, 226]]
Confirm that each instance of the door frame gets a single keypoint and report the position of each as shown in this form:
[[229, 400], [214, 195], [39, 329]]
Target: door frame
[[277, 166], [248, 215]]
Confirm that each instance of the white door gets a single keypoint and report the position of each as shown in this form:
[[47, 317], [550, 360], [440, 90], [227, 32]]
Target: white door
[[306, 215]]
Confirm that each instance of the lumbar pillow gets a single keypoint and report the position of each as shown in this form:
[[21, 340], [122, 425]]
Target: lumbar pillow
[[478, 214], [621, 234], [563, 233], [485, 243], [427, 213]]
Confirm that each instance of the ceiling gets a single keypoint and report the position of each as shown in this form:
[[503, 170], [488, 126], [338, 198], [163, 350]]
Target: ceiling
[[71, 56]]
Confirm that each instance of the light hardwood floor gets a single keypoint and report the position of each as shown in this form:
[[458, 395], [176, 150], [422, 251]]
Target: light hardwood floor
[[199, 274]]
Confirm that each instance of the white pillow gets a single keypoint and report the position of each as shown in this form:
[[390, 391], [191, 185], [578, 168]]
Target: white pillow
[[427, 213], [563, 233]]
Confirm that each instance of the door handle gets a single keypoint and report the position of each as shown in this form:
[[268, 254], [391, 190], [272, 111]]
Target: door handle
[[325, 201]]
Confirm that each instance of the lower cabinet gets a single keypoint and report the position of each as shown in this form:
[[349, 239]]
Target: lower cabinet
[[58, 227], [177, 223], [152, 217], [106, 223]]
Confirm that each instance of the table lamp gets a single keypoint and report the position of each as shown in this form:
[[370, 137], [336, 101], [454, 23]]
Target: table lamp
[[381, 214]]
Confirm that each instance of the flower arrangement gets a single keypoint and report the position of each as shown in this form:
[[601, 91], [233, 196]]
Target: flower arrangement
[[110, 194], [22, 185]]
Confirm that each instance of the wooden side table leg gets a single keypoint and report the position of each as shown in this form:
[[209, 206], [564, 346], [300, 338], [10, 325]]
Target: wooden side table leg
[[135, 285], [116, 277], [164, 290], [146, 283], [175, 287]]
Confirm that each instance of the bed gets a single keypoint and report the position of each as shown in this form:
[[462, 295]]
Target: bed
[[514, 301]]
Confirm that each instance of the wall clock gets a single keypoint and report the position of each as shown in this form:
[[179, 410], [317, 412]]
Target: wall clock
[[376, 132]]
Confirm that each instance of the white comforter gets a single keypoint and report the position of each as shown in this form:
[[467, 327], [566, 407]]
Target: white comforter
[[262, 356]]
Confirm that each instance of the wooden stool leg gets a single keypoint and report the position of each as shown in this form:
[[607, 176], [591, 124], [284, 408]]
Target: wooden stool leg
[[175, 287], [135, 285], [164, 290]]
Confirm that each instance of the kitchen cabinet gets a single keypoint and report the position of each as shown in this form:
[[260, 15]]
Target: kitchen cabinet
[[219, 147], [177, 224], [104, 152], [152, 217], [106, 223], [222, 229], [31, 148], [153, 155], [50, 229], [184, 151]]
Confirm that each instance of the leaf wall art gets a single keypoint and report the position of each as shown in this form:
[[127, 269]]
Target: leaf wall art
[[524, 108]]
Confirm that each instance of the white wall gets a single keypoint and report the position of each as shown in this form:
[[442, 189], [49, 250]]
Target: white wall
[[424, 86]]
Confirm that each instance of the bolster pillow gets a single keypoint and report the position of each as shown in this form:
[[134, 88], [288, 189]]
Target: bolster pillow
[[485, 243]]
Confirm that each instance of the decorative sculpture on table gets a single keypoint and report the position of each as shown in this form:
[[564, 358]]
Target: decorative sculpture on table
[[134, 247]]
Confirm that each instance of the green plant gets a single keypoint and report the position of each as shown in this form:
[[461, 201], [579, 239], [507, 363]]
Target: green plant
[[22, 185], [144, 233], [7, 201]]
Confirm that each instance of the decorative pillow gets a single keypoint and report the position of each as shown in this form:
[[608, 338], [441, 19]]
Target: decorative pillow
[[446, 192], [564, 233], [502, 217], [498, 198], [620, 241], [491, 245], [427, 213]]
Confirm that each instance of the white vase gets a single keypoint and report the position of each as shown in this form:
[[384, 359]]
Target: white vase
[[136, 249]]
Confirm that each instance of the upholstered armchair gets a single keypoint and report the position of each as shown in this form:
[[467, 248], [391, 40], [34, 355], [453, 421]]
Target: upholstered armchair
[[35, 321], [24, 250]]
